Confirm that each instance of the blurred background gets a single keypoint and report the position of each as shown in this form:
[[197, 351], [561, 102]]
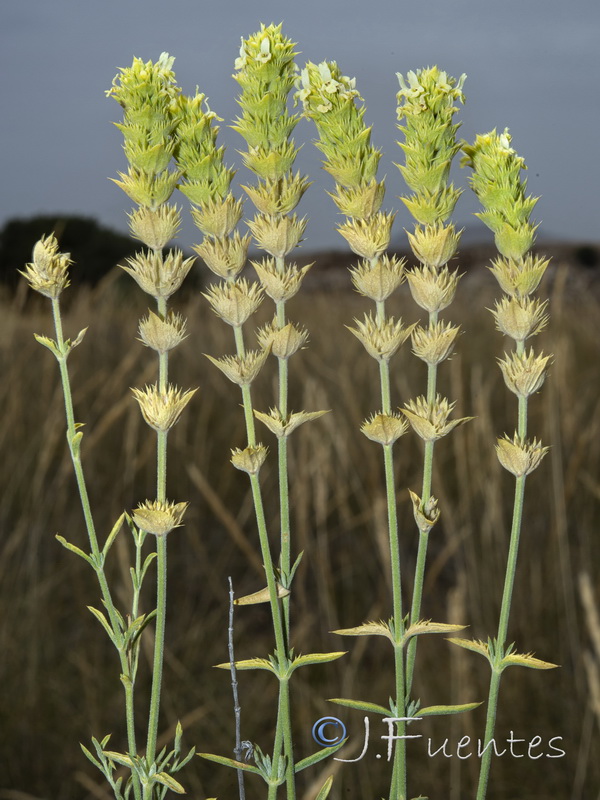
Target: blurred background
[[530, 67]]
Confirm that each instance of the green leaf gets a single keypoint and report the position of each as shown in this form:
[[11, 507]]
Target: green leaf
[[315, 658], [434, 711], [249, 663], [94, 761], [318, 756], [149, 559], [368, 629], [75, 444], [261, 596], [112, 535], [230, 762], [476, 646], [180, 764], [104, 622], [427, 626], [167, 780], [526, 660], [119, 758], [49, 343], [325, 789], [75, 549], [361, 705]]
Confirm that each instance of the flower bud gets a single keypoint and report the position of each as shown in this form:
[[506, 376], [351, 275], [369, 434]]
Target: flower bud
[[48, 272], [520, 318], [524, 373], [277, 235], [224, 257], [157, 275], [430, 420], [283, 342], [162, 410], [434, 344], [234, 301], [378, 281], [249, 460], [158, 517], [280, 285], [218, 217], [384, 428], [432, 290], [434, 245], [160, 334], [518, 456], [241, 369], [368, 238], [155, 228], [426, 515], [381, 339]]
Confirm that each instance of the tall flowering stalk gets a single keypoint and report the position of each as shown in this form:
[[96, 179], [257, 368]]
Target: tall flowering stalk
[[265, 67], [330, 101], [149, 97], [426, 105], [519, 315]]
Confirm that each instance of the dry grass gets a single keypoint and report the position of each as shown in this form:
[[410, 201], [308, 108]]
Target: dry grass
[[58, 676]]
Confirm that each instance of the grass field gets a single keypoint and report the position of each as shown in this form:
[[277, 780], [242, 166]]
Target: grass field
[[58, 674]]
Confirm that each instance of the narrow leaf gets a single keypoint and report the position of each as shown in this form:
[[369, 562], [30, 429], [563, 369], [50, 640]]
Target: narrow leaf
[[103, 621], [112, 535], [120, 758], [426, 626], [75, 549], [230, 762], [526, 660], [94, 761], [167, 780], [315, 658], [475, 646], [325, 789], [49, 343], [433, 711], [361, 705], [180, 764], [368, 629], [262, 596], [318, 756], [249, 663]]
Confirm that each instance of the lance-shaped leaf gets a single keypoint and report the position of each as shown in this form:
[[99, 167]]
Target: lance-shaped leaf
[[476, 646], [119, 758], [167, 780], [249, 663], [75, 549], [262, 596], [318, 756], [526, 660], [435, 711], [361, 705], [112, 535], [315, 658], [427, 626], [368, 629], [49, 343], [230, 762], [325, 789], [104, 622]]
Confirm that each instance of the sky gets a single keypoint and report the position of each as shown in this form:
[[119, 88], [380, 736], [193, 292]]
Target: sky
[[531, 65]]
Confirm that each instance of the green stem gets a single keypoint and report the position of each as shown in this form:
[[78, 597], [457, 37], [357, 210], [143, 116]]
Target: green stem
[[415, 610], [161, 564], [93, 540], [398, 782], [509, 581], [283, 716]]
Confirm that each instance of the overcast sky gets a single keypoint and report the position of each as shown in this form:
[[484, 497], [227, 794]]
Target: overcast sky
[[532, 65]]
